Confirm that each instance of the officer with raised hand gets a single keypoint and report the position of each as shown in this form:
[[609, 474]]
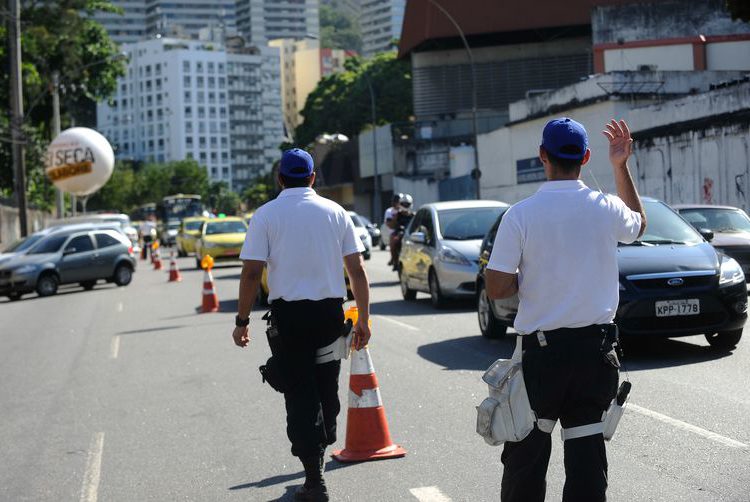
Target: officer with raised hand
[[305, 240], [558, 250]]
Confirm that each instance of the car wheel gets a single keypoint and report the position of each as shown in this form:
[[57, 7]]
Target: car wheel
[[488, 323], [725, 340], [436, 296], [15, 296], [88, 285], [47, 284], [408, 293], [123, 275]]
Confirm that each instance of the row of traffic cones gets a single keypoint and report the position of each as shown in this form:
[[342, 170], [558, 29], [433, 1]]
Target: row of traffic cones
[[367, 434]]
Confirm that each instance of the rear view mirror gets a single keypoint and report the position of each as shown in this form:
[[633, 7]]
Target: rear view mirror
[[418, 238], [707, 234]]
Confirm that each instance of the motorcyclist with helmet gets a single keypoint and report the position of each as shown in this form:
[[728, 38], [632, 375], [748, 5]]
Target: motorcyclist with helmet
[[398, 223]]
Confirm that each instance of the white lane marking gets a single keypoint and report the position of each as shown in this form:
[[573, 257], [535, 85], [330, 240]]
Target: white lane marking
[[398, 323], [90, 488], [119, 306], [114, 348], [686, 426], [429, 494]]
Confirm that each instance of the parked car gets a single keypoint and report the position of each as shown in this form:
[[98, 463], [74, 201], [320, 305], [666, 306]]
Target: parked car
[[188, 233], [672, 283], [69, 256], [220, 238], [440, 250], [24, 244], [730, 227], [123, 220], [362, 232]]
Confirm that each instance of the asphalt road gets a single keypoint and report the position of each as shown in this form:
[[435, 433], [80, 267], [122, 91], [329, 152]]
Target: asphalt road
[[127, 394]]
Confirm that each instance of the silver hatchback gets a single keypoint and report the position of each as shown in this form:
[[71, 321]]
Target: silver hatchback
[[440, 250]]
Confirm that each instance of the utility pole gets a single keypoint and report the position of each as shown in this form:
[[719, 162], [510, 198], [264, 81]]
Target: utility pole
[[377, 205], [16, 109], [59, 201]]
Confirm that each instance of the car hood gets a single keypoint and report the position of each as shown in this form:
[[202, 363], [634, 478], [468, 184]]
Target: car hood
[[237, 238], [19, 260], [666, 258], [470, 249], [731, 239]]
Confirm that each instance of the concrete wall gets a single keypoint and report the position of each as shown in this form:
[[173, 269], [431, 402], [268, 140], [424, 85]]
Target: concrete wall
[[385, 152], [423, 190], [669, 57], [9, 226], [728, 55]]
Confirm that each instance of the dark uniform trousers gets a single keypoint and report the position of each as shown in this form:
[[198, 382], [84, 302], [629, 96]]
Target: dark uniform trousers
[[570, 380], [312, 402]]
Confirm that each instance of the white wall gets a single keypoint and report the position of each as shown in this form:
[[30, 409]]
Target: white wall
[[423, 190], [728, 55], [665, 57], [385, 152]]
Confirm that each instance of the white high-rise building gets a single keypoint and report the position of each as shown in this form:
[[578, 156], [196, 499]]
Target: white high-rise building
[[262, 20], [380, 22], [128, 27], [187, 18], [175, 103]]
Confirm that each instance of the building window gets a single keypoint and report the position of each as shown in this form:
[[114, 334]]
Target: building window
[[186, 66], [201, 112], [201, 127], [199, 66], [222, 82], [213, 156], [202, 142], [210, 67], [203, 156], [199, 82], [188, 112], [221, 67], [201, 97], [186, 80], [211, 82], [157, 69], [188, 96], [213, 141]]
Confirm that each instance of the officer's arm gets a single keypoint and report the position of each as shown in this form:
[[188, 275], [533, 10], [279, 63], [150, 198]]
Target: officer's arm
[[252, 272], [500, 284], [360, 285]]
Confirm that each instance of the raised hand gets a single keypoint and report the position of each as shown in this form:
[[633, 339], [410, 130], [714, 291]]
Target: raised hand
[[620, 142]]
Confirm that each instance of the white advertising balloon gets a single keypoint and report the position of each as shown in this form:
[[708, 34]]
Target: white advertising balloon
[[80, 161]]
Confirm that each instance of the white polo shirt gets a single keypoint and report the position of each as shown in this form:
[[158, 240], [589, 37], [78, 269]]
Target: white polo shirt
[[562, 241], [303, 238]]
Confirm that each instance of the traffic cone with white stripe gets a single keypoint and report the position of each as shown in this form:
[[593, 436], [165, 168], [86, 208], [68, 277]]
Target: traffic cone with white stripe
[[156, 257], [210, 298], [174, 271], [367, 434]]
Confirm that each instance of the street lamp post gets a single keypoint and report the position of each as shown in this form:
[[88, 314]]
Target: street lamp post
[[59, 203], [16, 110], [376, 203], [477, 172]]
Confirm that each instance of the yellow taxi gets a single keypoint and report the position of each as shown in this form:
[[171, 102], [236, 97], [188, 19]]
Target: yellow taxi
[[190, 230], [262, 298], [221, 239]]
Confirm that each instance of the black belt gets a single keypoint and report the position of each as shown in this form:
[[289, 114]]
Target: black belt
[[562, 335]]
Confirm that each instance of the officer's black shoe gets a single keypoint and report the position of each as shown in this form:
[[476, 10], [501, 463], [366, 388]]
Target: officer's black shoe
[[315, 494]]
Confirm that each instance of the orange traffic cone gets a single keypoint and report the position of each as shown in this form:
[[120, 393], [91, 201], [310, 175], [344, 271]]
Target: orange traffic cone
[[156, 257], [174, 271], [210, 298], [367, 435]]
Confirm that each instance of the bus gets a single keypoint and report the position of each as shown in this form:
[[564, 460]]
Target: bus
[[179, 206]]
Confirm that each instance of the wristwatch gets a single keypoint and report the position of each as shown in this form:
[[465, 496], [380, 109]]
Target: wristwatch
[[241, 323]]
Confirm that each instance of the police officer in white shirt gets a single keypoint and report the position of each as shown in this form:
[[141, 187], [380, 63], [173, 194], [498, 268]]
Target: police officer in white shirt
[[305, 240], [558, 250]]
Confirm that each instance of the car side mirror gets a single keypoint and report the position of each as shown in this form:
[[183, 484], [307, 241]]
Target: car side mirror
[[418, 238], [707, 234], [68, 251]]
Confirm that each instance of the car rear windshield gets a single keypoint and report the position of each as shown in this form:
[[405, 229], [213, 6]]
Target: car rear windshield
[[193, 225], [665, 227], [357, 222], [467, 224], [51, 244], [717, 219], [225, 227]]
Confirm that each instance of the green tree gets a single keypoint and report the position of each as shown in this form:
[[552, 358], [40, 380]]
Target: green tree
[[223, 200], [339, 30], [57, 36], [259, 191], [341, 102], [739, 9]]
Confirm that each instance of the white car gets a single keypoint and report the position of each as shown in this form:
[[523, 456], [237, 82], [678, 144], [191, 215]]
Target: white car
[[361, 229]]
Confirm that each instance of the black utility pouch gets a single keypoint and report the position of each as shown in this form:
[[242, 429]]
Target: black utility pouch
[[270, 372], [611, 349]]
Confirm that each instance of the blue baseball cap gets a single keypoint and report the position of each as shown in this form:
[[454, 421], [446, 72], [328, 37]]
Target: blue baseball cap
[[565, 138], [296, 163]]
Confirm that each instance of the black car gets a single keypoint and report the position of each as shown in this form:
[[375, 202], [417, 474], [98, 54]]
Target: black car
[[672, 283]]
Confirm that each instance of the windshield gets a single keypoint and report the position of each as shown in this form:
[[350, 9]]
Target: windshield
[[193, 225], [51, 244], [665, 227], [467, 224], [173, 224], [226, 227], [357, 222], [23, 244], [717, 220]]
